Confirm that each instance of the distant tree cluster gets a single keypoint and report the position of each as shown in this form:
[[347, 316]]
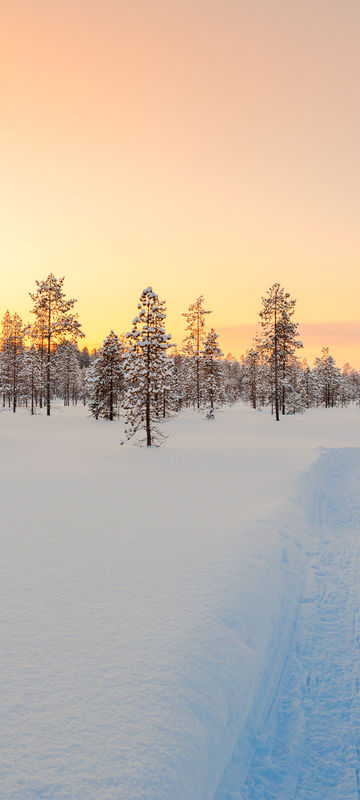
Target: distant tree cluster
[[273, 375], [144, 378], [41, 360]]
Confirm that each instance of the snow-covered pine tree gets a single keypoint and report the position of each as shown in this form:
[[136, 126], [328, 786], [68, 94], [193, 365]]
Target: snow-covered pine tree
[[85, 361], [289, 344], [177, 380], [295, 387], [37, 334], [251, 367], [232, 378], [349, 387], [146, 368], [212, 373], [327, 378], [354, 385], [106, 378], [84, 384], [162, 383], [93, 385], [5, 362], [31, 377], [12, 353], [308, 383], [84, 358], [355, 382], [256, 376], [55, 322], [67, 372], [195, 327], [188, 376], [169, 398], [279, 339]]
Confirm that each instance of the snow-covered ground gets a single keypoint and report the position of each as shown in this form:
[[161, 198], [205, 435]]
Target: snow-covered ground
[[180, 623]]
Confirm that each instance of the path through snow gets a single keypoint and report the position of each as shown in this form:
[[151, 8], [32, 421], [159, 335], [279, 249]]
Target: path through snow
[[309, 745]]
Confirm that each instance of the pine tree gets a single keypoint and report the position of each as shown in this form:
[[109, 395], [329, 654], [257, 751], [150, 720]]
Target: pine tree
[[296, 388], [212, 371], [195, 327], [256, 386], [93, 383], [84, 358], [55, 321], [12, 347], [169, 395], [5, 361], [85, 383], [106, 378], [349, 387], [38, 336], [146, 368], [251, 365], [232, 378], [177, 380], [31, 377], [289, 343], [279, 340], [327, 378], [67, 372]]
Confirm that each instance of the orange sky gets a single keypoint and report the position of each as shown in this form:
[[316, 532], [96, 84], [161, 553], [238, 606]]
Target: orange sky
[[206, 147]]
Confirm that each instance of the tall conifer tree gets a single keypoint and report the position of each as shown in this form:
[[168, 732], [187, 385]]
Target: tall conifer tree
[[279, 339], [55, 319], [106, 378], [146, 368], [195, 327], [12, 347], [212, 369]]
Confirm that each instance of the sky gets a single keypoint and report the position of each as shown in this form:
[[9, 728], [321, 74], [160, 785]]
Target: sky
[[198, 146]]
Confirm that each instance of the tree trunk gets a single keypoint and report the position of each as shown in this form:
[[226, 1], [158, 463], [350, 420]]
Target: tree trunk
[[198, 361], [48, 364], [48, 382], [147, 408], [14, 382], [147, 419], [111, 413], [32, 396], [277, 417]]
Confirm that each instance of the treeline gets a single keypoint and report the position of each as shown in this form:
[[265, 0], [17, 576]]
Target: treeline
[[145, 378], [274, 375]]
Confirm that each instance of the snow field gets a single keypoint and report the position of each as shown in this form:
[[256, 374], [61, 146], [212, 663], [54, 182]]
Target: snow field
[[148, 598]]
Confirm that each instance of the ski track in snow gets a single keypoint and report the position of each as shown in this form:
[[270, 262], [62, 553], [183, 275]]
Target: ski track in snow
[[308, 747]]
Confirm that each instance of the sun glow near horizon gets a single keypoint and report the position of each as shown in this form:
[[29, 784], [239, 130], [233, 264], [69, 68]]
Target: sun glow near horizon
[[207, 148]]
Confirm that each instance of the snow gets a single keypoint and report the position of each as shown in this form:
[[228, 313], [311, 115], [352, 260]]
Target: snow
[[307, 745], [165, 611], [310, 743]]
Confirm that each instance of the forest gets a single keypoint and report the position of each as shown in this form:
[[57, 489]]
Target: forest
[[145, 378]]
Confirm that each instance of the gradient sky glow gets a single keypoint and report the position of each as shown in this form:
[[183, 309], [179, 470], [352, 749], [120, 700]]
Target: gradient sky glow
[[200, 146]]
